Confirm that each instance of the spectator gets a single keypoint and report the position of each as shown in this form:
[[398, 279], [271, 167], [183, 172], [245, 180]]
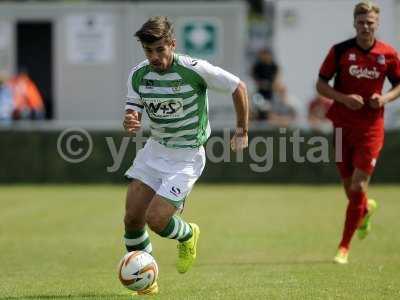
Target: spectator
[[28, 102], [6, 100], [271, 102]]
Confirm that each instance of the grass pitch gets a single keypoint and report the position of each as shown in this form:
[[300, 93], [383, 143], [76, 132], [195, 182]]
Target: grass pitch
[[257, 242]]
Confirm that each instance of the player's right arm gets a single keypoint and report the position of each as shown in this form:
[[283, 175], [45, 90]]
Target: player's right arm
[[133, 107], [132, 121], [328, 70], [352, 101]]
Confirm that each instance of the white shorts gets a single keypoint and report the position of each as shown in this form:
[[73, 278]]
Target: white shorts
[[170, 172]]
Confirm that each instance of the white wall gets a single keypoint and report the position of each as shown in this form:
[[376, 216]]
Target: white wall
[[94, 92]]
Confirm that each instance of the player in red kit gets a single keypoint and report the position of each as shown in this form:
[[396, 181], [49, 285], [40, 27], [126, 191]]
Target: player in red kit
[[359, 67]]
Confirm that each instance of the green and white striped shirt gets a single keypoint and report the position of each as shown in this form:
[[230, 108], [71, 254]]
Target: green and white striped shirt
[[176, 100]]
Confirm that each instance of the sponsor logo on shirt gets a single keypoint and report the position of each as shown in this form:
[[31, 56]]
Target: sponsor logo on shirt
[[176, 87], [359, 72], [352, 56], [381, 59], [164, 108]]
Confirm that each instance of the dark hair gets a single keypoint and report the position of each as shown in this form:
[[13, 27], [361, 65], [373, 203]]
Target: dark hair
[[155, 29]]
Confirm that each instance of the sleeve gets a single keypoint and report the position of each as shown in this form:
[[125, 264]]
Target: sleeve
[[133, 100], [216, 78], [329, 66], [394, 69]]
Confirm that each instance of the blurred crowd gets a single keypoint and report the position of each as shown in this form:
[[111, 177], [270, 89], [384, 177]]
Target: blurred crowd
[[271, 103], [20, 98]]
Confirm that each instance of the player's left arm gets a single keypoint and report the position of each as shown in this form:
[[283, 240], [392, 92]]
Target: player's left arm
[[241, 101], [221, 80], [378, 100], [393, 75]]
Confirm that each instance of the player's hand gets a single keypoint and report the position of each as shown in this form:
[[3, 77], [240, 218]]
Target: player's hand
[[354, 101], [240, 140], [377, 101], [131, 121]]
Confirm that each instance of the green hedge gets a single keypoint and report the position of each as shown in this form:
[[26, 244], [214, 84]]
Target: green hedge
[[33, 157]]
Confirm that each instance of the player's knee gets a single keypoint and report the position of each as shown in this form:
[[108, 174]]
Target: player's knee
[[358, 186]]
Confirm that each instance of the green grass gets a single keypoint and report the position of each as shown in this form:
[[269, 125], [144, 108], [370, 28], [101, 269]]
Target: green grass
[[257, 242]]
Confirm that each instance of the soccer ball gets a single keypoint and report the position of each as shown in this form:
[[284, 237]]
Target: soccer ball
[[137, 270]]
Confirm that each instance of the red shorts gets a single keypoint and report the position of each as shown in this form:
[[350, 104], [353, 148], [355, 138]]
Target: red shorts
[[358, 148]]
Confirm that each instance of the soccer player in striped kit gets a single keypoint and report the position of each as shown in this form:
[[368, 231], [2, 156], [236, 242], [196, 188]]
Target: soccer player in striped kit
[[172, 90], [359, 67]]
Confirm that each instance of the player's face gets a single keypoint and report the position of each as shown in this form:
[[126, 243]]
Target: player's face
[[366, 25], [159, 53]]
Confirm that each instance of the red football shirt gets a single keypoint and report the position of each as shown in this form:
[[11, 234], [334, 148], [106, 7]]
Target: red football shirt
[[362, 72]]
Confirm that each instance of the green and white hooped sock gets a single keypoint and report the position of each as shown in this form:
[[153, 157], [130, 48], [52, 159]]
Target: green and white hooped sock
[[177, 229], [138, 240]]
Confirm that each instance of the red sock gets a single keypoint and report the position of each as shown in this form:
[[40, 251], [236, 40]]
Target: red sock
[[356, 210]]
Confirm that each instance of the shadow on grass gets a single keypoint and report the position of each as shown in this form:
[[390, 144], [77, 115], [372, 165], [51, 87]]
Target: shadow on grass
[[78, 296], [266, 263]]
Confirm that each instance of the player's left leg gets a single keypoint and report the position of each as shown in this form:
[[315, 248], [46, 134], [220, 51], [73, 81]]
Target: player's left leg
[[162, 219], [365, 160], [176, 185], [179, 171], [367, 146], [365, 226], [356, 210]]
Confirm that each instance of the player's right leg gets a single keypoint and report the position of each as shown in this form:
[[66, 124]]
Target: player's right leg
[[144, 182], [345, 169], [342, 253], [138, 198], [136, 237]]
